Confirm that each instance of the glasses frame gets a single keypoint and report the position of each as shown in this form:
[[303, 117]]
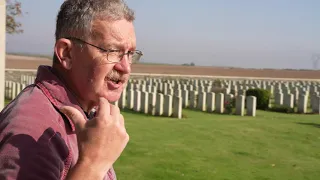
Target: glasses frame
[[138, 52]]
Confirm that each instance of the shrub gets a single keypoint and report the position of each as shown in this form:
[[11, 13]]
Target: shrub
[[282, 109], [229, 105], [262, 96], [217, 83]]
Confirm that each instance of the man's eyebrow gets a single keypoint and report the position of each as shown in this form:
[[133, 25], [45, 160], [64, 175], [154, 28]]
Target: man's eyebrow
[[111, 45]]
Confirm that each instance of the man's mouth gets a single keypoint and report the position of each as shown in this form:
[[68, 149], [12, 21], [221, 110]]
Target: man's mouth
[[115, 80]]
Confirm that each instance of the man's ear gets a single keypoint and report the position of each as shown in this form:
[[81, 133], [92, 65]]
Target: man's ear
[[62, 49]]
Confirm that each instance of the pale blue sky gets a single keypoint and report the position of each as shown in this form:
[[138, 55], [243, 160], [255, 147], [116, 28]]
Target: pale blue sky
[[238, 33]]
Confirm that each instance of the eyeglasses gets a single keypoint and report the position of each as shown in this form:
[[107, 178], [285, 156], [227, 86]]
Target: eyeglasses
[[114, 55]]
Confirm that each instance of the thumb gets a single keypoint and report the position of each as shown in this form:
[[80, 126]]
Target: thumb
[[75, 116]]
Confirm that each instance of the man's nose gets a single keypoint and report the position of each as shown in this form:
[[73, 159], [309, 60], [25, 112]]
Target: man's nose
[[124, 65]]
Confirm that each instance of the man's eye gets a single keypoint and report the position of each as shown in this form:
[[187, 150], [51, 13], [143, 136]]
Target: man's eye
[[115, 53]]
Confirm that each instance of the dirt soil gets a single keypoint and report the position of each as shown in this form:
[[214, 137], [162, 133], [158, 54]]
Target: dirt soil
[[21, 62]]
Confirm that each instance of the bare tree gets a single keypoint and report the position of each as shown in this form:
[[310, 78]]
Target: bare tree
[[13, 9]]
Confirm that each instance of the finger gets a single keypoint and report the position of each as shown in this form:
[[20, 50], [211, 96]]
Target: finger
[[104, 108], [75, 116], [121, 120], [114, 110]]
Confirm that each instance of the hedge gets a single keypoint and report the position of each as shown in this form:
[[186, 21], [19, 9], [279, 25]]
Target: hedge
[[262, 95]]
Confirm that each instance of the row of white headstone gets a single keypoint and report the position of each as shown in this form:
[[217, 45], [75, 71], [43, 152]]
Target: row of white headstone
[[158, 104], [190, 89], [12, 89], [300, 100], [155, 104], [169, 105], [197, 94]]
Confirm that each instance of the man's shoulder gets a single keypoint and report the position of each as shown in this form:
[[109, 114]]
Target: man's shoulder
[[30, 112], [32, 141]]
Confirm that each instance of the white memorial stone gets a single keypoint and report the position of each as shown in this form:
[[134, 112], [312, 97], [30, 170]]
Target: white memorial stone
[[137, 101], [251, 106], [202, 101], [152, 103], [159, 104], [130, 99], [219, 104], [289, 100], [302, 103], [144, 102], [167, 109], [240, 105], [177, 107], [211, 102]]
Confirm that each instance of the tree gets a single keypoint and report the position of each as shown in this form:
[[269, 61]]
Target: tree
[[13, 9]]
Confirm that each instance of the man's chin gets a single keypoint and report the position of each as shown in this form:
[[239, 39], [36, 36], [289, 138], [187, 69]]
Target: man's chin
[[113, 97]]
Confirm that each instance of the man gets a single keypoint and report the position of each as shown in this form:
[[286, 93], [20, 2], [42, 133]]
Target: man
[[63, 126]]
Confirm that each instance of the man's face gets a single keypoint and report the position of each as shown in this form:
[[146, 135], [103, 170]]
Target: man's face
[[93, 75]]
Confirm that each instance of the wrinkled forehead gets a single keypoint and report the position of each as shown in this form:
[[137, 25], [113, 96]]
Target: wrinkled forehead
[[120, 34]]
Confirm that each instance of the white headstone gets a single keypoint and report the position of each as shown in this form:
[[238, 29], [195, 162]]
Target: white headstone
[[185, 98], [170, 92], [302, 103], [165, 88], [211, 102], [316, 105], [152, 104], [14, 90], [289, 100], [219, 104], [130, 99], [19, 86], [167, 109], [159, 104], [177, 107], [144, 102], [278, 98], [137, 101], [177, 93], [202, 101], [142, 87], [193, 99], [251, 105], [240, 105], [313, 97], [122, 100]]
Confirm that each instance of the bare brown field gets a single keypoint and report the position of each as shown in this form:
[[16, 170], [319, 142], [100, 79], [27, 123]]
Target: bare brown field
[[19, 62]]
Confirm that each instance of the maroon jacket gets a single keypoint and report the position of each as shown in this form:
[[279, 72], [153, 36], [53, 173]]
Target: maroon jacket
[[36, 140]]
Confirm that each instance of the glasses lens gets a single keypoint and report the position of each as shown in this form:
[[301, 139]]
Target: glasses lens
[[117, 56], [114, 56], [136, 56]]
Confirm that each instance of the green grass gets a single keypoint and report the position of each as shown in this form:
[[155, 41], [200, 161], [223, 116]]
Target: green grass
[[205, 146]]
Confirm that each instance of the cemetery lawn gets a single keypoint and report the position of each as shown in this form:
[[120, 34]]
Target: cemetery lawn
[[205, 146]]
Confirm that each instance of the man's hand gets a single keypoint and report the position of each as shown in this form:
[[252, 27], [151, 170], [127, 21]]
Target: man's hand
[[101, 140]]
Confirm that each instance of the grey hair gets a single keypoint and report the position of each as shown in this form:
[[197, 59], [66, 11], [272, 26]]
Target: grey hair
[[76, 16]]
